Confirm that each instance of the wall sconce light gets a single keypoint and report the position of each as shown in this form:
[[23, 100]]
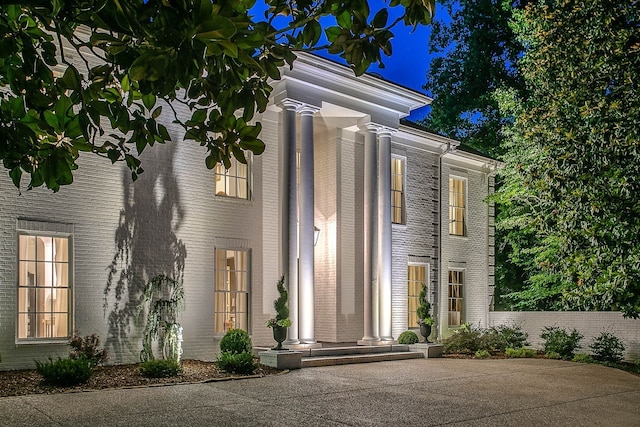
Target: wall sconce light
[[316, 234]]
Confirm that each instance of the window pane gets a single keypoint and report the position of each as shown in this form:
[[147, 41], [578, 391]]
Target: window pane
[[60, 325], [61, 249], [27, 274], [26, 325], [44, 249], [61, 275], [27, 248]]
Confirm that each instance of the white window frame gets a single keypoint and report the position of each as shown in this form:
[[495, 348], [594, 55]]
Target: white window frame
[[452, 221], [47, 315], [224, 176], [227, 294], [415, 298], [460, 297], [403, 191]]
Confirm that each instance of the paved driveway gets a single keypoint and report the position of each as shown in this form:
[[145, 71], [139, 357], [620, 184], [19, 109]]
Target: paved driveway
[[419, 392]]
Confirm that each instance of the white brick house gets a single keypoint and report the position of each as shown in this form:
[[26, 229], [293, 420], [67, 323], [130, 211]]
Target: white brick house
[[395, 207]]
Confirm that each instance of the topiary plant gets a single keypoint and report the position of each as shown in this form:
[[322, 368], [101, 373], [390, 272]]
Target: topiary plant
[[424, 308], [281, 304], [236, 341], [408, 337]]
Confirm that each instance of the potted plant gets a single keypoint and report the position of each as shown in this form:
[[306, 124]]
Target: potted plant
[[281, 322], [424, 314]]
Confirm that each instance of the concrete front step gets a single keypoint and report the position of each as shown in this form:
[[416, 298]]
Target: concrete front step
[[345, 359]]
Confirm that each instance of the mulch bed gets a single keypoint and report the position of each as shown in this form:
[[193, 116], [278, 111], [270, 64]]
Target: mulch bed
[[28, 381]]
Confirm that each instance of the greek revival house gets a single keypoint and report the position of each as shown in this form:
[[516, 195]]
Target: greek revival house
[[354, 206]]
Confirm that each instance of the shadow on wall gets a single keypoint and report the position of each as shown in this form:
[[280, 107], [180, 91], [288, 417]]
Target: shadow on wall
[[146, 246]]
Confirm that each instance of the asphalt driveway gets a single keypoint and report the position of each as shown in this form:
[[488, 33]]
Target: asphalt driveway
[[419, 392]]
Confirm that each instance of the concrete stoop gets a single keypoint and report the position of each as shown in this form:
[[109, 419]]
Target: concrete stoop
[[343, 355]]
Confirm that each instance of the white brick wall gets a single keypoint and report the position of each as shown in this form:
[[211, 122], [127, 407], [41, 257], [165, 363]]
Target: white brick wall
[[589, 324], [93, 204], [470, 252]]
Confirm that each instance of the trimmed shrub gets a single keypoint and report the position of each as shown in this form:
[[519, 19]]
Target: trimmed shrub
[[160, 368], [582, 358], [465, 340], [87, 347], [65, 372], [520, 353], [236, 341], [237, 363], [607, 347], [559, 341], [499, 338], [408, 337], [482, 354]]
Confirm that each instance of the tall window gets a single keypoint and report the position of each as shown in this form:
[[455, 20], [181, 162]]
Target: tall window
[[235, 181], [457, 206], [397, 190], [417, 276], [44, 283], [231, 296], [456, 283]]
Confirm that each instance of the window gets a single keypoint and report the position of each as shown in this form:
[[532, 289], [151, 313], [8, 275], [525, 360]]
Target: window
[[44, 284], [456, 282], [457, 206], [235, 181], [397, 190], [416, 277], [231, 296]]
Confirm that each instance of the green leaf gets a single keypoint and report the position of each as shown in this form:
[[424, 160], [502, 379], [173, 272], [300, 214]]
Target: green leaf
[[149, 100], [380, 20], [216, 27], [344, 20]]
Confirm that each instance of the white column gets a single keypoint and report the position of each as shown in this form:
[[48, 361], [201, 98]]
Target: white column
[[289, 199], [307, 214], [384, 234], [370, 224]]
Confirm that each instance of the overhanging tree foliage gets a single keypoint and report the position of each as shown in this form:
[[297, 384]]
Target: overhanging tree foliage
[[572, 177], [215, 58], [479, 51]]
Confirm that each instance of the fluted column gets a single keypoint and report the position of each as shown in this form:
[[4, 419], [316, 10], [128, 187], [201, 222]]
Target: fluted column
[[370, 224], [289, 199], [307, 214], [384, 235]]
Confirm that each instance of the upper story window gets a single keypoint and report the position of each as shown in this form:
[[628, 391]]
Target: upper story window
[[231, 296], [44, 286], [397, 190], [235, 181], [417, 276], [457, 206]]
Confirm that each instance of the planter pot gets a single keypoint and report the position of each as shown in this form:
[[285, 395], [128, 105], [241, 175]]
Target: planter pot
[[425, 331], [279, 335]]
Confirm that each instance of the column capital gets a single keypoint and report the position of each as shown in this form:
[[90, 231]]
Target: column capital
[[367, 126], [289, 104], [307, 109], [300, 107]]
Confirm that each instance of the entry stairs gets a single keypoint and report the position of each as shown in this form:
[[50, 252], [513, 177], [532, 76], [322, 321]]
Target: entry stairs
[[351, 353], [328, 356]]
